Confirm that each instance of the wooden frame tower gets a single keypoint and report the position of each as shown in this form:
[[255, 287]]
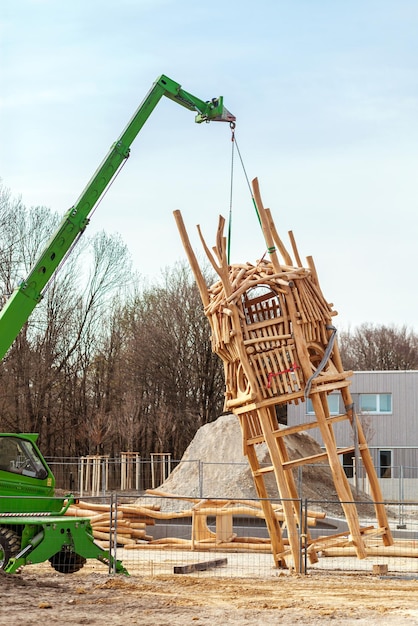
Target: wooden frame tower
[[273, 330]]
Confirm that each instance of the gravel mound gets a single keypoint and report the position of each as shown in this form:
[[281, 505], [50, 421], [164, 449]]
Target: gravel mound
[[214, 466]]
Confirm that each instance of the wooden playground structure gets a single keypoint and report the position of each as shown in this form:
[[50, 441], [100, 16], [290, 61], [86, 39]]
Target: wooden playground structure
[[273, 330]]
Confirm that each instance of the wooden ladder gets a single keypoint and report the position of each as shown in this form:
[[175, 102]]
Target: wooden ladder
[[259, 425]]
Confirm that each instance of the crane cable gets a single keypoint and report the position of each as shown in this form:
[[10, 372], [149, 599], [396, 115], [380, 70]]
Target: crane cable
[[231, 187], [235, 144]]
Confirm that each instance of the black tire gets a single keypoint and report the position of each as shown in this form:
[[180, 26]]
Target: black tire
[[67, 562], [9, 546]]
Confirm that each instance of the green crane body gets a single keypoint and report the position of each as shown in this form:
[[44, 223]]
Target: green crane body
[[33, 524]]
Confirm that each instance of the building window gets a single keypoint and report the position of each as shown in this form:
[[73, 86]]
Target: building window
[[385, 463], [375, 403], [348, 465], [333, 405]]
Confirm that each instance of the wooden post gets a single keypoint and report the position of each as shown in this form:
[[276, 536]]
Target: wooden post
[[160, 467]]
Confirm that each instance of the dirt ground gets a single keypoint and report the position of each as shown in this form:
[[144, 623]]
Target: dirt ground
[[39, 594]]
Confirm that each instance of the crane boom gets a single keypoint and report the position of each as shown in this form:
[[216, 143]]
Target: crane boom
[[28, 294]]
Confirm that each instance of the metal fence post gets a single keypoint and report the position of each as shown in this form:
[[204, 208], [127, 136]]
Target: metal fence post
[[401, 523], [113, 532], [301, 534], [200, 469]]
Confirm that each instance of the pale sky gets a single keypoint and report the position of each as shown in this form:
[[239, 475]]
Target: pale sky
[[325, 93]]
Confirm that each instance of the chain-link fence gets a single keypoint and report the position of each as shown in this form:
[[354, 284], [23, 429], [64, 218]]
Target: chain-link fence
[[154, 535], [209, 533], [100, 475], [226, 537]]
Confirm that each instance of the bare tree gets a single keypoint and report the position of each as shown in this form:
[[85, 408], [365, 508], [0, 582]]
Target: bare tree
[[175, 381], [44, 384], [379, 347], [95, 368]]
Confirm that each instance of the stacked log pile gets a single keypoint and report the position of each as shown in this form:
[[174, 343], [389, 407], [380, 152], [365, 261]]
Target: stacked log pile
[[126, 523]]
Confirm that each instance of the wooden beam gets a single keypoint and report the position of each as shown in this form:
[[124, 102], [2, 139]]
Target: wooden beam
[[291, 430], [315, 458], [198, 567]]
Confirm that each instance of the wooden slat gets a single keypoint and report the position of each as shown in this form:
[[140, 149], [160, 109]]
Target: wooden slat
[[266, 338], [291, 430], [315, 458], [287, 397], [263, 470]]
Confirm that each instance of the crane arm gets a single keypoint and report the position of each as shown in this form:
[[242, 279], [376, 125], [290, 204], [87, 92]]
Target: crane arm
[[26, 296]]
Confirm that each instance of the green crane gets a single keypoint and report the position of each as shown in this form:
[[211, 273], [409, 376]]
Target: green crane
[[28, 294], [34, 524]]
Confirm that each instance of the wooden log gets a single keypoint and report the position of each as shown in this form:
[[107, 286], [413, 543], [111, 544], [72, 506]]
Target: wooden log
[[74, 511], [92, 506], [200, 281], [388, 551], [139, 525], [103, 517], [139, 522], [173, 540], [134, 505], [220, 270], [261, 540], [143, 514], [120, 539], [106, 530], [265, 226], [285, 255], [127, 532], [107, 524], [294, 248]]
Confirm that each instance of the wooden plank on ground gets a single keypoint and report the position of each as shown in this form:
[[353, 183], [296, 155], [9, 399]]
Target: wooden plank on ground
[[198, 567]]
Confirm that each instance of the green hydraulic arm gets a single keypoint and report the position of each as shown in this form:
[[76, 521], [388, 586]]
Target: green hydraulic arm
[[28, 294]]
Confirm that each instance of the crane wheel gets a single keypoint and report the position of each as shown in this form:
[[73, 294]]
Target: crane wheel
[[9, 546], [67, 562]]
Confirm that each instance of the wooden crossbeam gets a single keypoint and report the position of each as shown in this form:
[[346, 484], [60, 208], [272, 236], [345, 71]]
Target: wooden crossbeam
[[240, 406], [298, 428], [263, 470], [316, 458]]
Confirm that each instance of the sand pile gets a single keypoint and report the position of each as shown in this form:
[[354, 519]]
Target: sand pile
[[213, 466]]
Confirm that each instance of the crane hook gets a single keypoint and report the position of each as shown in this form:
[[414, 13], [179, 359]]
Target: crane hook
[[232, 127]]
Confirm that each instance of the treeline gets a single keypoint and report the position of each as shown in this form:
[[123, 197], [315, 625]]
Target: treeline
[[379, 347], [107, 363]]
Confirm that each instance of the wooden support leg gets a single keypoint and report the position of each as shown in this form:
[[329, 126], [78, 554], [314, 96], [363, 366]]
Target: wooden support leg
[[340, 479], [313, 556], [272, 523], [375, 489], [282, 483]]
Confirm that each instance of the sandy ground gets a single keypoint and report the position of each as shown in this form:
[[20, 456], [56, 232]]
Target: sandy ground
[[215, 597]]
